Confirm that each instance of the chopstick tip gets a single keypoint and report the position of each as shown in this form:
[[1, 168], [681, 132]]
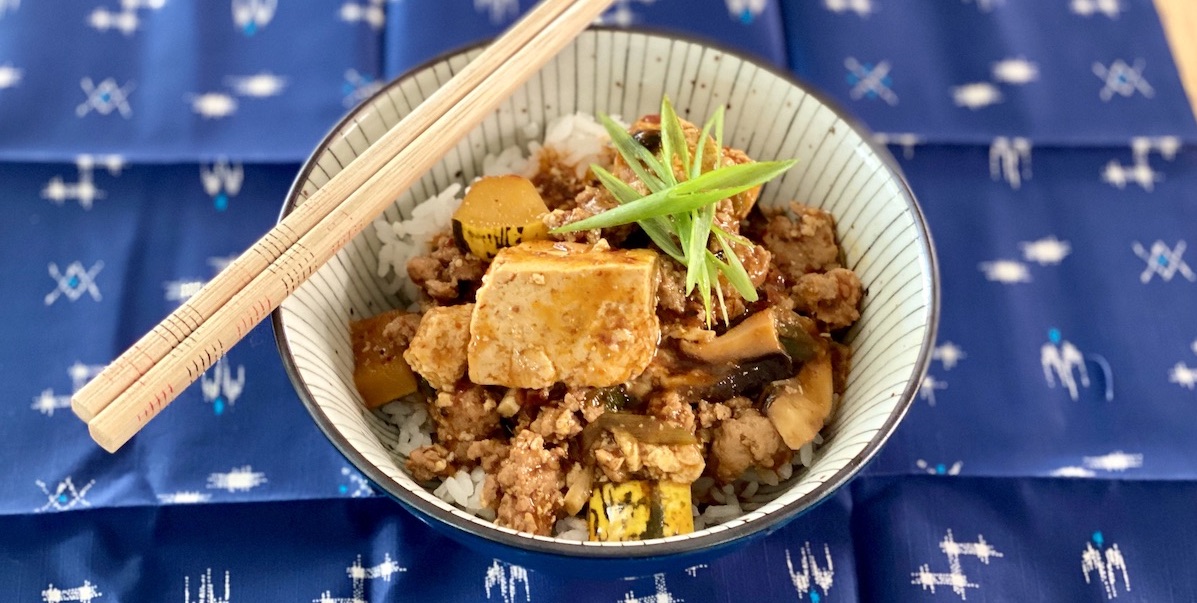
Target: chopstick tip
[[81, 409]]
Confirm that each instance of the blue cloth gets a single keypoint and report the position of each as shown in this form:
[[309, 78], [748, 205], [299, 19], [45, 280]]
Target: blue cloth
[[1089, 72], [1050, 144]]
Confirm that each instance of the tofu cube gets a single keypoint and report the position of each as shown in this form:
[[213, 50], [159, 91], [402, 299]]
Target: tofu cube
[[438, 349], [551, 312]]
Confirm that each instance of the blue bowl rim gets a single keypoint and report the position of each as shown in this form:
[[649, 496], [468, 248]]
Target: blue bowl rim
[[717, 540]]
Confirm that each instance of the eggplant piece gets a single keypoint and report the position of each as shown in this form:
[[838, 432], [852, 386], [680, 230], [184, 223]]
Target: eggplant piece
[[799, 335], [646, 429], [769, 331], [649, 139], [613, 399], [748, 379]]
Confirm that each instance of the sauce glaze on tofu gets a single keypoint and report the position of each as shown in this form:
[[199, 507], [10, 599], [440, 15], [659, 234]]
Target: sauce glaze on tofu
[[584, 379], [573, 313]]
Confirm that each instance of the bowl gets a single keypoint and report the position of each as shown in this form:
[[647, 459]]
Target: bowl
[[769, 115]]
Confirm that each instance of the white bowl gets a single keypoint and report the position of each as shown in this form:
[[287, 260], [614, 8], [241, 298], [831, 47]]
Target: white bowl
[[769, 115]]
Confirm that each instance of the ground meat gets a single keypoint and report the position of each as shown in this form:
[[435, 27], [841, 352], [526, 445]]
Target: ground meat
[[831, 298], [428, 462], [622, 457], [740, 405], [488, 453], [400, 330], [558, 184], [574, 399], [611, 463], [710, 414], [529, 484], [490, 492], [582, 400], [672, 409], [726, 216], [447, 274], [556, 424], [756, 260], [671, 287], [802, 243], [591, 201], [464, 415], [560, 217], [748, 440], [775, 291], [674, 306]]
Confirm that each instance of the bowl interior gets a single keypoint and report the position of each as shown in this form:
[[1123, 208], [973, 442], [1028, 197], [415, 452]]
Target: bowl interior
[[626, 73]]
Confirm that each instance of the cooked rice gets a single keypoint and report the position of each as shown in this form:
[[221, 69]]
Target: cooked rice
[[405, 239], [576, 140], [712, 505], [571, 528]]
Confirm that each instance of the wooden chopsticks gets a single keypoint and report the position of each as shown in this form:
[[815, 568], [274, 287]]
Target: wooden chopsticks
[[143, 380]]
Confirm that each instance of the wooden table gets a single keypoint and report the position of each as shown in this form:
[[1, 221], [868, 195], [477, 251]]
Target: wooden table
[[1180, 23]]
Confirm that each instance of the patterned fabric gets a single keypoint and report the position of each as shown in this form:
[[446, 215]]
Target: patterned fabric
[[144, 143]]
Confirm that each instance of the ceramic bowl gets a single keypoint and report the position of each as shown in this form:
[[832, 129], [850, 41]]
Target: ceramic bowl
[[769, 115]]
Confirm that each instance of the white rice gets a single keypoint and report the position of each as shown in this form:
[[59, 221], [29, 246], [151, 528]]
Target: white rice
[[413, 423], [711, 505], [571, 528], [405, 239], [576, 140]]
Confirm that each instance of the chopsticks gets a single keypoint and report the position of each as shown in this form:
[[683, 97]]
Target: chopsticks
[[135, 387]]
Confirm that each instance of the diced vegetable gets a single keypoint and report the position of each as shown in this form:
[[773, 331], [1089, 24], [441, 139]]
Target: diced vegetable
[[613, 399], [769, 331], [799, 335], [581, 481], [748, 378], [754, 337], [498, 212], [380, 382], [646, 429], [799, 407], [379, 371], [639, 510], [509, 405]]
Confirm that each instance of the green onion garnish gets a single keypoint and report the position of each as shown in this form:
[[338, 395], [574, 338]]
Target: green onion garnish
[[679, 214]]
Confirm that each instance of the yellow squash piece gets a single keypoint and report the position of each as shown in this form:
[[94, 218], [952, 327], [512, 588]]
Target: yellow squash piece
[[498, 212], [639, 510], [379, 371]]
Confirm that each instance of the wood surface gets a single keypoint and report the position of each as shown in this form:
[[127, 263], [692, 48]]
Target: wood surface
[[1179, 18], [136, 387]]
